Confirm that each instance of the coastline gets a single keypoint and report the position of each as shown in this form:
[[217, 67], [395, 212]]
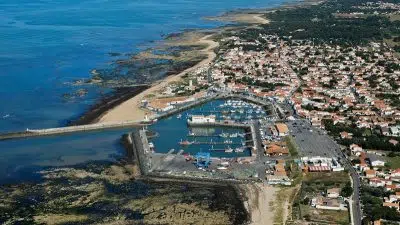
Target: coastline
[[119, 96], [124, 108], [130, 109]]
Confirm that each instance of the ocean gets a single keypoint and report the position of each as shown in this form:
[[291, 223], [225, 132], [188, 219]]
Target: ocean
[[45, 45]]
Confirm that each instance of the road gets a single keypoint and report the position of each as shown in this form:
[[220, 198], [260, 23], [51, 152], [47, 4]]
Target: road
[[329, 141]]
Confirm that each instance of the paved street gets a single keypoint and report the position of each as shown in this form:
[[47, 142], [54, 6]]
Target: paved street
[[317, 143]]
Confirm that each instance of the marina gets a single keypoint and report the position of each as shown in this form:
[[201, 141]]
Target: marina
[[216, 127]]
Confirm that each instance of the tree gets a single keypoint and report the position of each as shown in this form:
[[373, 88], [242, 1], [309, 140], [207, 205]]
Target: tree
[[347, 190]]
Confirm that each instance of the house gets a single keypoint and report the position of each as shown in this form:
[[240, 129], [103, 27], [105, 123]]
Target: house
[[392, 205], [279, 175], [333, 192], [385, 131], [391, 198], [390, 187], [321, 202], [276, 150], [356, 150], [282, 129], [370, 173], [346, 135], [376, 182], [394, 131], [375, 162], [395, 173], [393, 141]]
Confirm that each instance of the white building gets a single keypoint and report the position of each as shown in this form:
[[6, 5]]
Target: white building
[[333, 192]]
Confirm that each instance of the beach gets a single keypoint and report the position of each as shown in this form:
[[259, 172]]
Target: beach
[[259, 198], [130, 109]]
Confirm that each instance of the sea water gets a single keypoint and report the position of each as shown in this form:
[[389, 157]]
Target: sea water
[[45, 45]]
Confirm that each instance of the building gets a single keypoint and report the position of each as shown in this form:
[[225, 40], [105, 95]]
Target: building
[[279, 175], [321, 202], [333, 193], [370, 173], [392, 205], [282, 129], [276, 150], [375, 162], [394, 131], [202, 119], [355, 149]]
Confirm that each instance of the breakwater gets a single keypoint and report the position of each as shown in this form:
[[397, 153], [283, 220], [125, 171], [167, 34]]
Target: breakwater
[[70, 129]]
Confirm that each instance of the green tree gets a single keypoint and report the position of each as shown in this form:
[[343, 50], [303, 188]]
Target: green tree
[[347, 190]]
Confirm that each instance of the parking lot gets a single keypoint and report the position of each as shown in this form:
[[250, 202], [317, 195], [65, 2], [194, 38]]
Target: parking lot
[[312, 141]]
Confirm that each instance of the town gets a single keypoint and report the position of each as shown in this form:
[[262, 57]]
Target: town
[[335, 111]]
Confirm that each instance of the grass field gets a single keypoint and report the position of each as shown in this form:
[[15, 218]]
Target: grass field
[[293, 148], [325, 216], [313, 185], [394, 162]]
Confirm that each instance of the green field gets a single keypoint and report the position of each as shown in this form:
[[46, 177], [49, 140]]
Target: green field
[[292, 146], [324, 216], [393, 162]]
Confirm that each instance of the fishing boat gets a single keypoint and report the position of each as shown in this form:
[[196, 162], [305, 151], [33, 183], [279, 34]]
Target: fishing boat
[[179, 116]]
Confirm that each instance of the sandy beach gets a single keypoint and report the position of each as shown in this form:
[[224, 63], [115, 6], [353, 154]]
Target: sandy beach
[[259, 199], [130, 110], [241, 17]]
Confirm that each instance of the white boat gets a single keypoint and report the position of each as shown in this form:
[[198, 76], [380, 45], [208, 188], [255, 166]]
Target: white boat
[[224, 135], [222, 168], [229, 150], [233, 135], [228, 142], [239, 149]]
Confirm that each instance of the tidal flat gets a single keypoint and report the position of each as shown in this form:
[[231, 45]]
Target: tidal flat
[[109, 193]]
